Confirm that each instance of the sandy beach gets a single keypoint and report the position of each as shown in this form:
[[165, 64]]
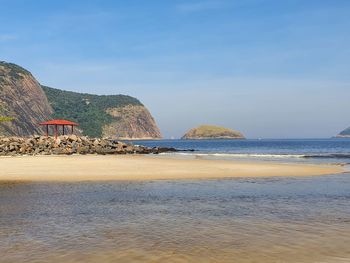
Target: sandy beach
[[136, 167]]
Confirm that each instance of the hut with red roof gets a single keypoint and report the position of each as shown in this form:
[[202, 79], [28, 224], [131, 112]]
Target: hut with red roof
[[58, 123]]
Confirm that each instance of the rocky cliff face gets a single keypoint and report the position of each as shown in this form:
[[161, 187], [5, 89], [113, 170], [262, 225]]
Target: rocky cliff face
[[212, 132], [22, 98], [131, 122]]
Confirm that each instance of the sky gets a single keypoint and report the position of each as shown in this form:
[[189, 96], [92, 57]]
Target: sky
[[271, 69]]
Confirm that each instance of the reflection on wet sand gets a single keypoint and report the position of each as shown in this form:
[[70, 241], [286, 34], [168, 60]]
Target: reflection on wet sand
[[250, 220]]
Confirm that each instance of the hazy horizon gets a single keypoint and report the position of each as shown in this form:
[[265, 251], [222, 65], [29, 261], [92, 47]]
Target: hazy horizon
[[266, 68]]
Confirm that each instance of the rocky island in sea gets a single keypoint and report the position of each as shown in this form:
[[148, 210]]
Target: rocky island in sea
[[212, 132], [344, 134]]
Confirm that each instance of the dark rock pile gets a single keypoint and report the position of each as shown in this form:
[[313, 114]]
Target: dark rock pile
[[70, 144]]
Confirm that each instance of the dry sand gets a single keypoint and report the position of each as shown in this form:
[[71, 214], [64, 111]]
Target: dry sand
[[136, 167]]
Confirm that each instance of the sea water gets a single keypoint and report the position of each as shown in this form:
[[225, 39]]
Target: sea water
[[303, 219], [334, 150]]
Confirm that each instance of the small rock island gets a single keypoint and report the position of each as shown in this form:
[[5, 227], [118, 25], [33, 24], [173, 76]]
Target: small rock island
[[204, 132]]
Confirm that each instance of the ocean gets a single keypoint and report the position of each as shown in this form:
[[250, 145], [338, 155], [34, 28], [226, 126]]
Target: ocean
[[264, 220], [291, 150]]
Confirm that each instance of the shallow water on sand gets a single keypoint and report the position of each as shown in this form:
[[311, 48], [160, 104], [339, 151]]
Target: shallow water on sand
[[231, 220]]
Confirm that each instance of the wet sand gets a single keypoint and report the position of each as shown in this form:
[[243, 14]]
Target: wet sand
[[252, 220], [136, 167]]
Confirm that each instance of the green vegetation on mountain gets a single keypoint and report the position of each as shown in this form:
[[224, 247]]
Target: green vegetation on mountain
[[2, 118], [212, 132], [90, 111]]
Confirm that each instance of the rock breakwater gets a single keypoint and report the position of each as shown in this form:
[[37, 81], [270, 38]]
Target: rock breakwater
[[71, 144]]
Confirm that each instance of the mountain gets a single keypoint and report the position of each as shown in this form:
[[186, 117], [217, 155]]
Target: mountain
[[212, 132], [113, 116], [22, 98], [344, 134], [29, 103]]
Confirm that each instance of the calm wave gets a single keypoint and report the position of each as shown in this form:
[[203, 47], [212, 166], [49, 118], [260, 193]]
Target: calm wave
[[307, 150], [235, 220]]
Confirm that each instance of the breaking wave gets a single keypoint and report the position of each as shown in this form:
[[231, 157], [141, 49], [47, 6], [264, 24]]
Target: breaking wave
[[263, 155]]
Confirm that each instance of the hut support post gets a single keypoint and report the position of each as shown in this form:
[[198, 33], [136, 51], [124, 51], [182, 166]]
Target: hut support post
[[56, 127], [55, 131]]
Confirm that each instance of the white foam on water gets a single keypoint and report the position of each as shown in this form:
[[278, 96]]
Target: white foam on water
[[239, 155]]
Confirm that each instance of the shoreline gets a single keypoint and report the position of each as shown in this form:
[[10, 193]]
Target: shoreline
[[141, 168]]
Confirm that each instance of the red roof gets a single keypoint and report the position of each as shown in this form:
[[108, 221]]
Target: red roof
[[59, 122]]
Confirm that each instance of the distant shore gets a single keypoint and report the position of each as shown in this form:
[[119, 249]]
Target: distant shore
[[137, 167]]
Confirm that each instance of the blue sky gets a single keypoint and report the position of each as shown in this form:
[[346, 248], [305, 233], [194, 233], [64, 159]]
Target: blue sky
[[272, 69]]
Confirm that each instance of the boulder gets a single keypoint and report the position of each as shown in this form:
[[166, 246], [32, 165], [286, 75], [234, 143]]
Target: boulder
[[72, 144]]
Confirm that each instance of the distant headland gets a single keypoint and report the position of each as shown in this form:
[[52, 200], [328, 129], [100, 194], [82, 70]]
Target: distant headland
[[212, 132], [344, 134], [27, 103]]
